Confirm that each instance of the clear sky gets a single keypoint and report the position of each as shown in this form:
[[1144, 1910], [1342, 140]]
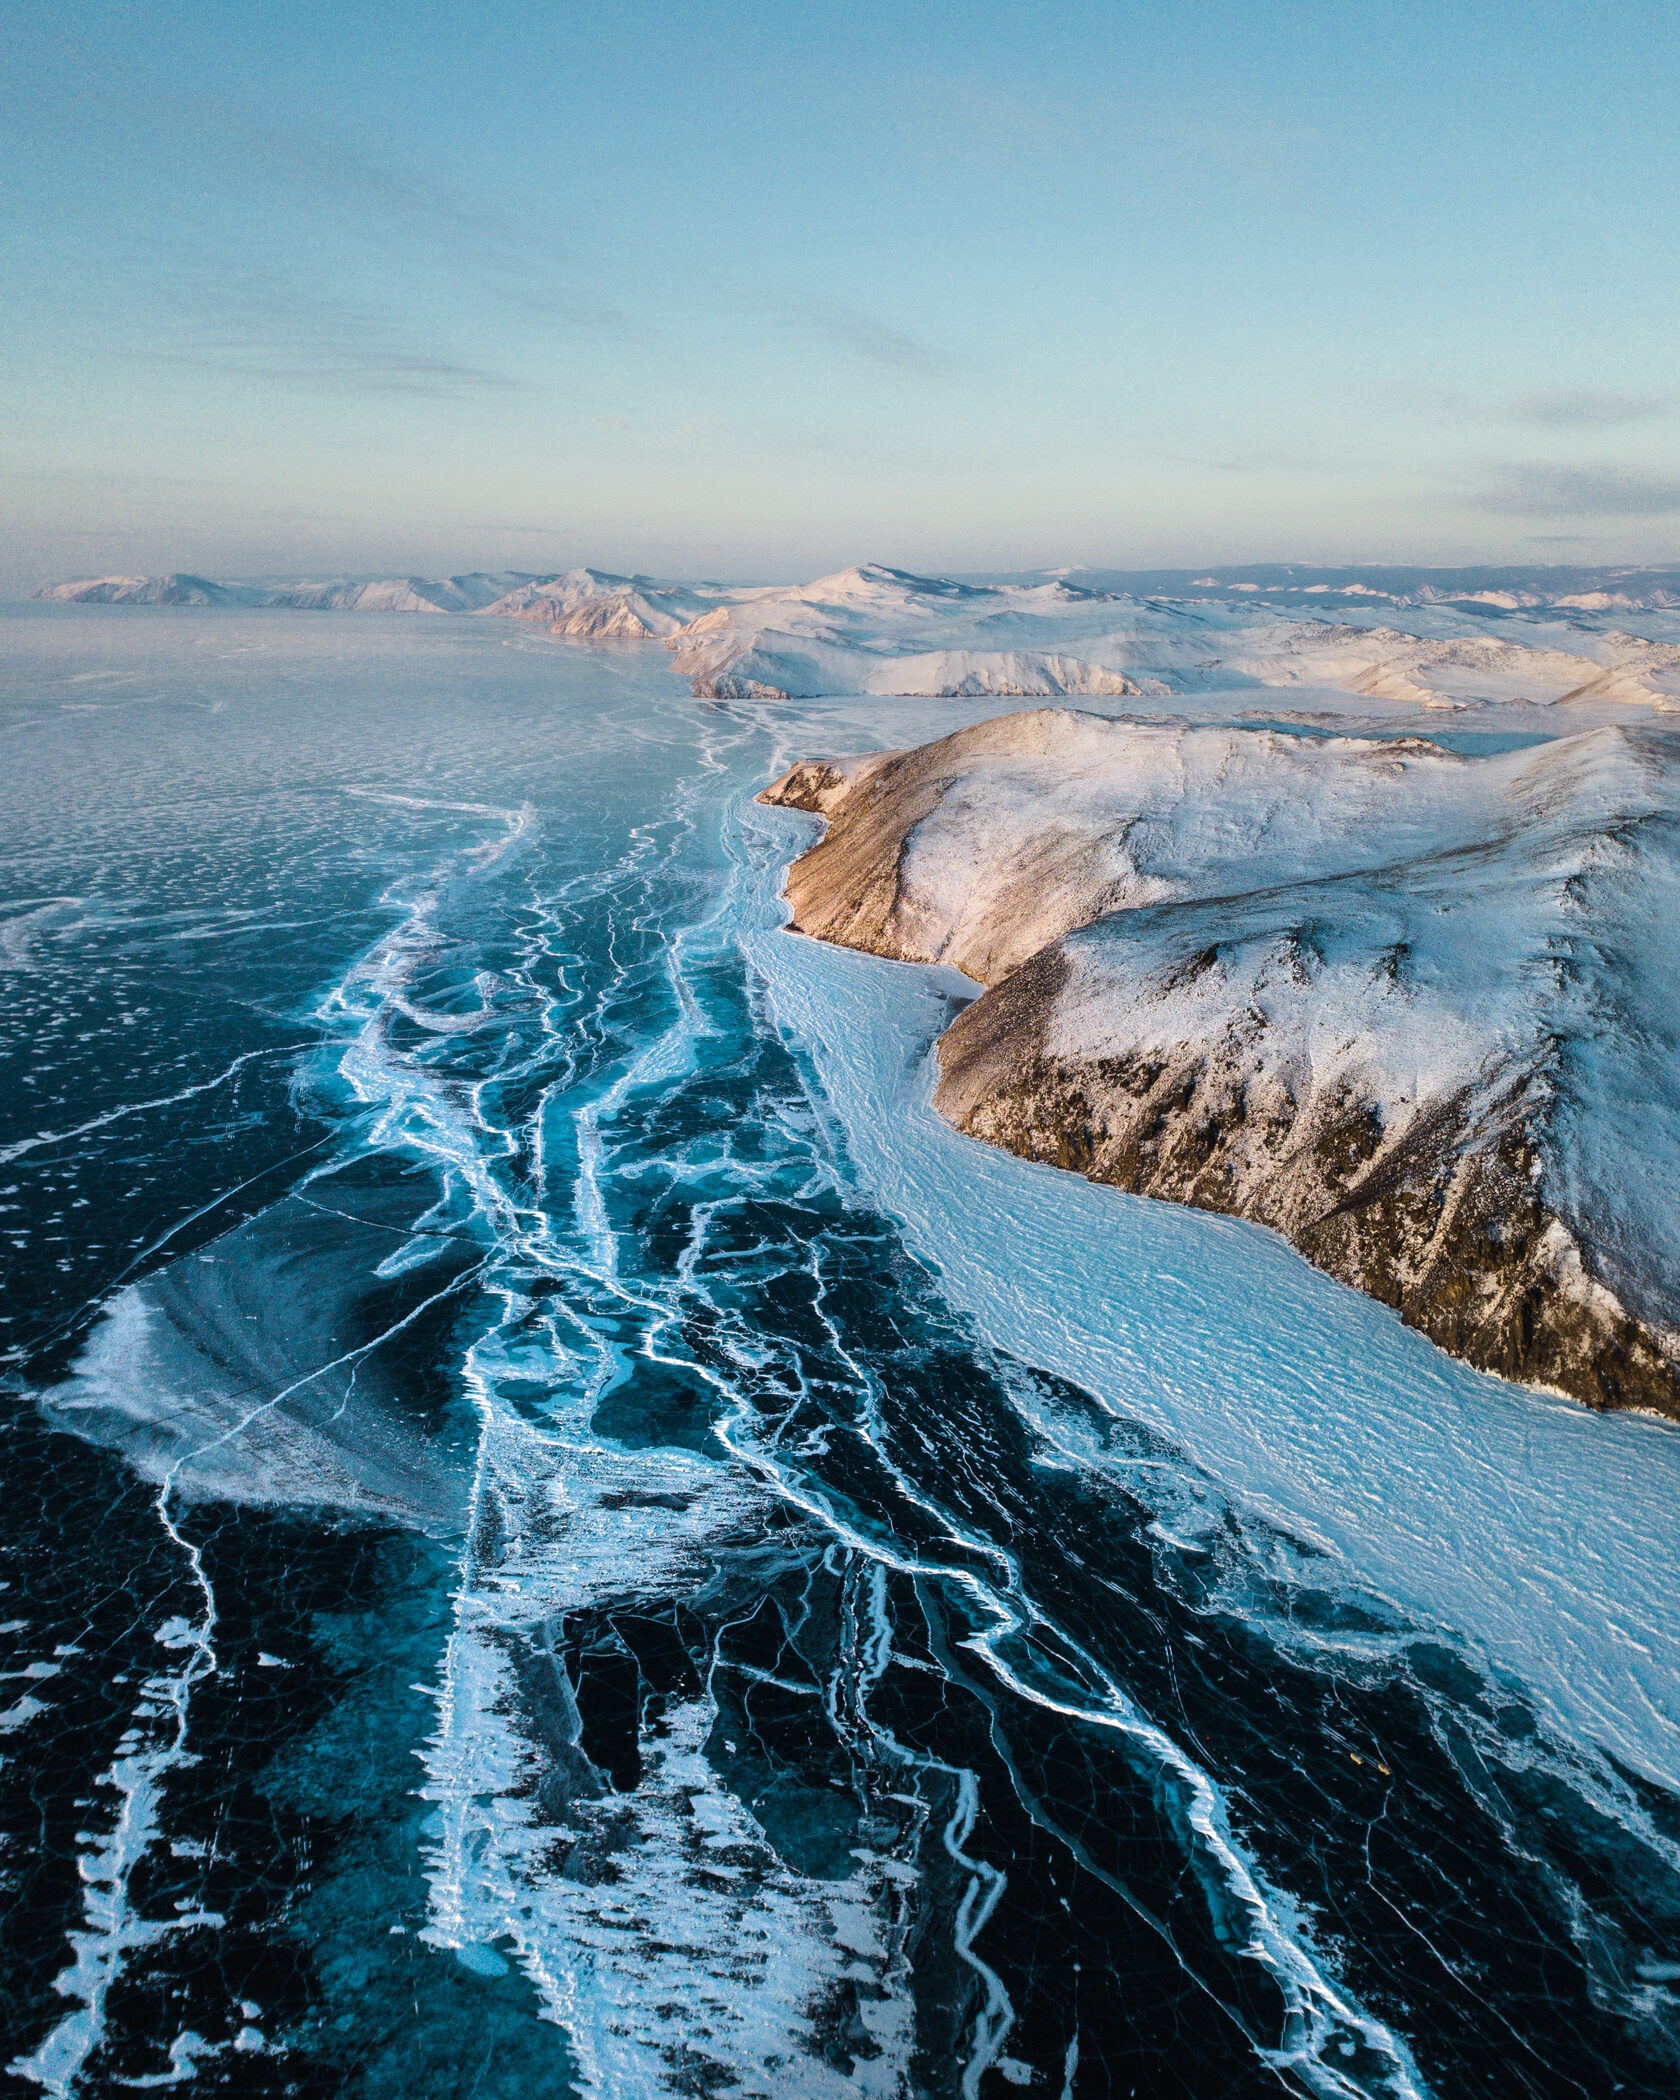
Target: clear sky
[[738, 289]]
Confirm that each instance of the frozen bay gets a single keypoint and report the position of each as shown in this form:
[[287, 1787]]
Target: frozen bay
[[568, 1534]]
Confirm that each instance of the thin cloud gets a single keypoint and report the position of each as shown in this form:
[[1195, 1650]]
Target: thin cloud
[[1585, 492], [283, 169], [373, 372], [495, 249], [566, 311], [345, 178], [1558, 408], [165, 129], [1583, 408], [260, 327], [857, 334]]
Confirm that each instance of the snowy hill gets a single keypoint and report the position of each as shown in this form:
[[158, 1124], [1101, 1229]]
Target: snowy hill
[[470, 593], [876, 630], [1419, 1012], [591, 605], [178, 589], [581, 605], [1551, 586]]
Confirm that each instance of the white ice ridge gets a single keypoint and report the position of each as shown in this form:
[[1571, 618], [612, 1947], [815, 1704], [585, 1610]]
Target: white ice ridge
[[113, 1927], [561, 1520]]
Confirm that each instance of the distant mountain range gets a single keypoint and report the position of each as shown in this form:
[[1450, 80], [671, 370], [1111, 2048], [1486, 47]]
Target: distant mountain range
[[1499, 589], [476, 592], [519, 592], [1431, 638]]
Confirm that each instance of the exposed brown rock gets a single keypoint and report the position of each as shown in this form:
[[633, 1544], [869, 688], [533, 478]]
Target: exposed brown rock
[[1444, 1225]]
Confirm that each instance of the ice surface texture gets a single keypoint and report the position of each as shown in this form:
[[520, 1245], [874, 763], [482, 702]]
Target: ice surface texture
[[566, 1532]]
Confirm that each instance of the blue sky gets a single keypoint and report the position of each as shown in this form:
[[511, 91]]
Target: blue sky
[[760, 290]]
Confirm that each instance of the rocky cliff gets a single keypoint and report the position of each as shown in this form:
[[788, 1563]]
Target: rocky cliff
[[1415, 1011]]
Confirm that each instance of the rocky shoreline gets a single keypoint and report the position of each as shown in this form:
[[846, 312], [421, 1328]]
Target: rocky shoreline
[[1175, 1045]]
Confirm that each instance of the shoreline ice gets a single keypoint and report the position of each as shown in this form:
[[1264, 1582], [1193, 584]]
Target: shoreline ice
[[1538, 1532]]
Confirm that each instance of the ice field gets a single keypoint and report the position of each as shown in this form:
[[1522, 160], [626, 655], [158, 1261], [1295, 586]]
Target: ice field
[[565, 1534]]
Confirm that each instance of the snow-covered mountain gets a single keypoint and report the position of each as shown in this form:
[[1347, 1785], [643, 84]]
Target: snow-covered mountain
[[474, 592], [178, 589], [1553, 586], [885, 631], [456, 594], [876, 630], [580, 605], [1420, 1012]]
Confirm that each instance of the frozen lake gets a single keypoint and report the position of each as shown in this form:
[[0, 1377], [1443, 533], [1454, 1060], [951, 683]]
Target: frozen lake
[[565, 1534]]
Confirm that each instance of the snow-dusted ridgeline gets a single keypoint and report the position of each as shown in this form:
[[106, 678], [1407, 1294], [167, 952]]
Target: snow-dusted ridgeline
[[1551, 586], [1416, 1011]]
